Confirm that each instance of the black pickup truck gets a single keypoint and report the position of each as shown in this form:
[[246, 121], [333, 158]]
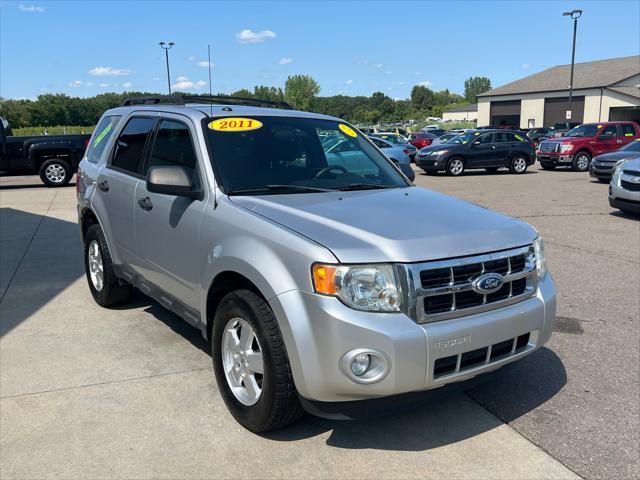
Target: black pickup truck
[[54, 157]]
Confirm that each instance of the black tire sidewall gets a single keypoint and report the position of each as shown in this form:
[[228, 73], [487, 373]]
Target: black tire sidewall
[[257, 416], [112, 292], [575, 161], [64, 164]]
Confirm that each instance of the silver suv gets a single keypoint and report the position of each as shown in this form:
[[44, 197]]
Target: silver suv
[[319, 277]]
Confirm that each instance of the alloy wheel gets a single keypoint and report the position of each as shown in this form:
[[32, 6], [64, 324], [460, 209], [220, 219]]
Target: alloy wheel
[[96, 267], [456, 167], [519, 164], [583, 162], [242, 361], [55, 173]]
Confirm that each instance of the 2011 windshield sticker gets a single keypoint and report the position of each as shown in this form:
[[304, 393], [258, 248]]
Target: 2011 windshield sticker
[[235, 124], [347, 130], [100, 137]]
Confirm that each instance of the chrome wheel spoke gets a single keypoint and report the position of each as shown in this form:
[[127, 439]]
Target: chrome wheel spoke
[[250, 384], [246, 337], [254, 362]]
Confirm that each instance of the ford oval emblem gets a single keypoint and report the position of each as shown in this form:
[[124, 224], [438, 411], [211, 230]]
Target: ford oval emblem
[[487, 283]]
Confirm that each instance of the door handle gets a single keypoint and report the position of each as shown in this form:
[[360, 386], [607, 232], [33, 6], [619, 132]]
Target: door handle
[[145, 204], [493, 146], [103, 185]]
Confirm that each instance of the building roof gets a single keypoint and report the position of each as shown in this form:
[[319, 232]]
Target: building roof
[[598, 74], [472, 107]]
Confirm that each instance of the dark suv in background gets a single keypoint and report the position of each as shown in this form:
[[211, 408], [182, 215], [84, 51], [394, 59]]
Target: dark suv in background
[[488, 149]]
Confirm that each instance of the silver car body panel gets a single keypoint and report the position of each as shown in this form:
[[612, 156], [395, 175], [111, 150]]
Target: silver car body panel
[[273, 242]]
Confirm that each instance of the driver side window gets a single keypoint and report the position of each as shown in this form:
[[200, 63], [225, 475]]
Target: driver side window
[[486, 138]]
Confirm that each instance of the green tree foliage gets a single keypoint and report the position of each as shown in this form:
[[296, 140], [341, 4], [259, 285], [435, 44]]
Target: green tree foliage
[[300, 91], [473, 86]]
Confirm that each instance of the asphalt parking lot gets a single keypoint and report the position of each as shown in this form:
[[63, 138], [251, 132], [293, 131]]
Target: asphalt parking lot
[[129, 392]]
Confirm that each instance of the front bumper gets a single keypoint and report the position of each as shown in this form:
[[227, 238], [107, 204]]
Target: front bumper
[[431, 163], [603, 171], [555, 159], [319, 330]]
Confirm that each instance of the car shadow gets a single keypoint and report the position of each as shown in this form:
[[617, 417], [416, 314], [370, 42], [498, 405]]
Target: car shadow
[[39, 258], [626, 215]]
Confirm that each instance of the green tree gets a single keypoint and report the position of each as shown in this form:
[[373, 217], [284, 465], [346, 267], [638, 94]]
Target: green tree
[[422, 98], [473, 86], [273, 94], [300, 91]]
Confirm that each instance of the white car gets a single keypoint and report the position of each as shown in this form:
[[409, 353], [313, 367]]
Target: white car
[[624, 189]]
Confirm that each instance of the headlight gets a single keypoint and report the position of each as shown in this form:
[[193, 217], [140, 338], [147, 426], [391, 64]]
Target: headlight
[[566, 147], [439, 152], [363, 287], [541, 262]]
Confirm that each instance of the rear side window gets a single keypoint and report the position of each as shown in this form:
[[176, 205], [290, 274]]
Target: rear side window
[[129, 152], [173, 146], [101, 136], [611, 129], [628, 130]]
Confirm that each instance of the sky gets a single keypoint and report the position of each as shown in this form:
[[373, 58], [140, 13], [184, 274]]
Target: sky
[[82, 48]]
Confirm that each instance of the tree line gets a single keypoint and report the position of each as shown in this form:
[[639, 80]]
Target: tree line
[[300, 91]]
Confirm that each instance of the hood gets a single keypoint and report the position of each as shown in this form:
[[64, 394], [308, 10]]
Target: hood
[[400, 225], [615, 156]]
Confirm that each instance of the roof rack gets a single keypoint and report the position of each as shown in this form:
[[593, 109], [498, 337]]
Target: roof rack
[[153, 100], [226, 100]]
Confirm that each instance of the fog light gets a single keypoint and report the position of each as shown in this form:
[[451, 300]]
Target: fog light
[[360, 364], [365, 365], [435, 163]]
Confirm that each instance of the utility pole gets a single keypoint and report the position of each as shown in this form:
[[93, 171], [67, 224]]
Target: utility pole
[[575, 15], [166, 47]]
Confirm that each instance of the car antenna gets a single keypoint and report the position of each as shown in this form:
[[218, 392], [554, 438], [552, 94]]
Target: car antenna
[[209, 64]]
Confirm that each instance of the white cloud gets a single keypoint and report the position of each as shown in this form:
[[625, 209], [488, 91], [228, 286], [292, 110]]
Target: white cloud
[[103, 85], [205, 64], [31, 8], [388, 72], [285, 61], [426, 83], [349, 82], [191, 58], [377, 65], [105, 71], [127, 84], [79, 83], [249, 36], [183, 83], [155, 78], [418, 74], [525, 66]]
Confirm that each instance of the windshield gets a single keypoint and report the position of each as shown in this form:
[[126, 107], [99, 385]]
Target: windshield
[[447, 137], [632, 147], [583, 131], [392, 138], [295, 155], [464, 138]]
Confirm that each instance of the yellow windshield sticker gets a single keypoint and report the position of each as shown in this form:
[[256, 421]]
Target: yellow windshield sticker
[[347, 130], [235, 124], [628, 134], [599, 126], [477, 133], [100, 137], [464, 141], [519, 138]]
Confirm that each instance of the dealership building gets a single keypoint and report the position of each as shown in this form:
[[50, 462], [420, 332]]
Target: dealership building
[[466, 113], [603, 90]]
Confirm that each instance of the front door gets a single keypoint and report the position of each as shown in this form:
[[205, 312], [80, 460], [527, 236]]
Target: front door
[[116, 186], [168, 227], [481, 151], [608, 140]]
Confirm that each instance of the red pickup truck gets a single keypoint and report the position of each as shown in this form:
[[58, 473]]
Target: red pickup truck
[[580, 144]]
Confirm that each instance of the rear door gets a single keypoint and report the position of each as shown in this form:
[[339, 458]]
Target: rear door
[[116, 185], [504, 144], [629, 133], [168, 227]]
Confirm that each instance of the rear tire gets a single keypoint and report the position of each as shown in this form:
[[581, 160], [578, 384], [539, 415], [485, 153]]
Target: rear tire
[[518, 165], [455, 167], [106, 289], [55, 172], [547, 166], [581, 161], [277, 404]]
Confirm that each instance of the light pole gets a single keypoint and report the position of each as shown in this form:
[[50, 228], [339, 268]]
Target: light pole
[[575, 15], [166, 47]]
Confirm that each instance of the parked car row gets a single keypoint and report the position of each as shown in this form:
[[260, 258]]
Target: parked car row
[[624, 188]]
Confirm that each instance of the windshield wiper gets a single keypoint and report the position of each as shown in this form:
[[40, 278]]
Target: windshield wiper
[[272, 188], [364, 186]]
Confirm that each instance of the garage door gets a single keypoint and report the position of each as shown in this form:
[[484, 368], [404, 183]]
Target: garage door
[[505, 113], [555, 110]]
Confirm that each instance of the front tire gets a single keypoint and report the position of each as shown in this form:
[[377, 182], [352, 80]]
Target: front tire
[[106, 289], [581, 161], [251, 365], [518, 165], [455, 167], [55, 172]]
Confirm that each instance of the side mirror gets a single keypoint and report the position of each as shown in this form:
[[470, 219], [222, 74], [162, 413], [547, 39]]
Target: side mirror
[[606, 136], [172, 180], [407, 170]]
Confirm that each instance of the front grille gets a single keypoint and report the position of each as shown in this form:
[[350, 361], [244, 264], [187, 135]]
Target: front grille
[[603, 166], [632, 187], [548, 147], [481, 356], [446, 287], [635, 173]]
